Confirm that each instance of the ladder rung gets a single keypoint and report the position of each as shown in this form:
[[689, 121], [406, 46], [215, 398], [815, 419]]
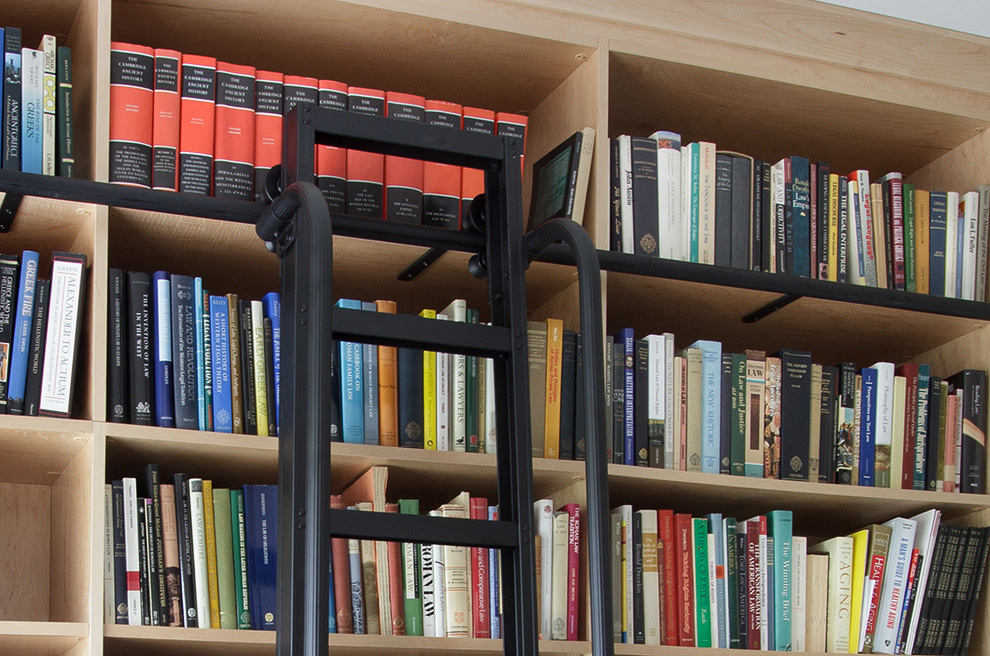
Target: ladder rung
[[406, 330], [423, 529]]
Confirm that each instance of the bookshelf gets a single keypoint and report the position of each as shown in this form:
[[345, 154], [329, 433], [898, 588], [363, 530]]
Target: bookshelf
[[766, 77]]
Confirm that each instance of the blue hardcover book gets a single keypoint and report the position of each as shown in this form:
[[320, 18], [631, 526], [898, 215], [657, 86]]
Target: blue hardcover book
[[351, 383], [780, 526], [960, 249], [23, 320], [32, 110], [369, 358], [207, 359], [920, 436], [717, 529], [200, 358], [272, 304], [493, 579], [332, 618], [628, 341], [223, 418], [184, 352], [161, 298], [711, 415], [261, 536], [12, 99], [868, 430], [801, 201], [936, 244]]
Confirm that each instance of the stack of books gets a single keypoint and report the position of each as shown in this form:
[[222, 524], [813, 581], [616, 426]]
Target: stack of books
[[698, 204], [189, 123], [784, 416]]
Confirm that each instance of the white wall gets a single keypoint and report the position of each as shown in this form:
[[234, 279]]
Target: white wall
[[972, 16]]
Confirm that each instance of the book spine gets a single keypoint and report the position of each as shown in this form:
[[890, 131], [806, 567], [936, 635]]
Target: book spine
[[269, 376], [742, 213], [234, 141], [552, 403], [166, 120], [910, 238], [331, 162], [23, 315], [388, 387], [481, 602], [754, 402], [65, 321], [259, 370], [801, 209], [494, 585], [234, 358], [412, 592], [150, 490], [9, 279], [685, 580], [972, 465], [573, 568], [220, 345], [36, 351], [161, 297], [272, 305], [226, 588], [139, 368], [410, 397], [124, 86], [428, 589], [711, 363], [702, 617], [725, 415], [365, 171], [706, 202], [456, 583], [144, 565], [645, 199], [403, 176], [268, 92], [938, 225], [570, 403], [213, 577], [261, 507], [119, 554], [247, 368], [132, 552], [197, 524], [543, 522], [618, 401], [109, 610], [238, 528], [356, 585], [440, 590], [641, 384], [171, 571], [184, 352], [202, 420], [639, 615], [196, 130], [781, 528], [48, 94]]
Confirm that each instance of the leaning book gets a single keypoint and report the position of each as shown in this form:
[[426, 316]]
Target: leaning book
[[68, 292]]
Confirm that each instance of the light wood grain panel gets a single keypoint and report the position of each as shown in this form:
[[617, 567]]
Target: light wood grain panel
[[90, 43], [961, 169], [94, 370], [43, 638], [37, 449], [25, 541], [72, 540]]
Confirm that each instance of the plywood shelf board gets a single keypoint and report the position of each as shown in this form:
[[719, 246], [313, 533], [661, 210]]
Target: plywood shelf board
[[38, 450]]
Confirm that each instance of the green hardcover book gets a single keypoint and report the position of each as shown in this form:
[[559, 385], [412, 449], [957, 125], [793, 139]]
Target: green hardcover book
[[702, 619], [225, 558], [238, 547], [780, 525], [910, 279], [411, 568], [63, 114], [471, 395], [737, 437]]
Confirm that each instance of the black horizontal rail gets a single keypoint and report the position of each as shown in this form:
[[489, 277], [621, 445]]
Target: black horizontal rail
[[423, 528], [406, 330]]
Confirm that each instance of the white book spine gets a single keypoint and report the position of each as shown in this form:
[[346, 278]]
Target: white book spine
[[543, 510], [706, 204], [799, 592], [866, 235], [777, 214], [131, 553], [651, 579], [627, 572], [685, 225], [626, 194], [109, 609], [443, 396], [894, 584], [969, 210], [198, 524], [713, 597], [429, 599], [885, 411], [64, 317], [670, 425], [853, 251], [48, 50], [457, 583], [951, 241], [669, 202], [925, 535], [558, 578], [657, 392], [439, 591], [457, 311]]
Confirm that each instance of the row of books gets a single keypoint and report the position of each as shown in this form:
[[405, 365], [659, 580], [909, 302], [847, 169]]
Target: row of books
[[783, 416], [188, 554], [181, 357], [713, 581], [697, 204], [40, 324], [192, 124], [36, 117]]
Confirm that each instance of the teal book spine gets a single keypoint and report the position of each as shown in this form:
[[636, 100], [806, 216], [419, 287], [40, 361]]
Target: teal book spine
[[781, 528], [200, 353], [711, 384], [702, 619], [351, 383], [716, 528], [694, 153]]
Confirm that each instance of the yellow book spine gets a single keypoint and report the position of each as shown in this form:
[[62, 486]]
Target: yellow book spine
[[555, 345], [860, 541], [922, 245], [429, 392], [833, 226], [260, 380], [211, 554]]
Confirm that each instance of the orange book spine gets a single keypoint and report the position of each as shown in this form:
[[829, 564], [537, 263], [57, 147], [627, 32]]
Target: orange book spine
[[403, 176], [331, 162], [132, 103], [442, 182], [196, 130], [365, 171], [233, 166], [388, 387], [473, 180], [267, 127], [165, 128]]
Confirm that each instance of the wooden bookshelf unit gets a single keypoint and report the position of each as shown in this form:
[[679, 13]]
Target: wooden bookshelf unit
[[770, 78]]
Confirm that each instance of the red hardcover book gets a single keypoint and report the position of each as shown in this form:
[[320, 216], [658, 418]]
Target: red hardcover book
[[573, 511], [233, 164], [165, 129], [481, 617], [396, 581], [341, 577], [685, 579], [813, 213], [665, 525], [893, 192], [754, 584], [473, 180], [513, 125], [331, 162], [132, 103], [910, 371], [404, 176], [874, 572], [365, 171], [267, 127], [442, 182], [198, 120]]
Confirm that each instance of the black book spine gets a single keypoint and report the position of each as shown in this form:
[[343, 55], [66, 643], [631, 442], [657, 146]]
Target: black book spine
[[931, 442], [184, 388], [365, 197], [615, 197], [618, 402], [973, 383], [270, 377], [247, 369], [962, 591], [767, 215], [742, 211], [66, 150], [150, 489], [723, 209], [789, 218], [335, 432], [568, 406], [639, 611], [829, 412], [9, 270], [954, 552], [844, 431], [974, 599], [144, 566], [117, 379], [580, 426], [183, 530], [641, 409], [12, 99], [334, 187], [403, 202], [119, 554], [795, 413], [725, 410], [780, 225], [139, 329], [609, 394], [756, 230], [36, 356], [935, 572], [645, 198], [410, 379], [821, 219]]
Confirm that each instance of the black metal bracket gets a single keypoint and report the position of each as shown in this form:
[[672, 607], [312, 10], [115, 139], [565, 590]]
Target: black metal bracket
[[771, 307], [8, 210], [421, 264]]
